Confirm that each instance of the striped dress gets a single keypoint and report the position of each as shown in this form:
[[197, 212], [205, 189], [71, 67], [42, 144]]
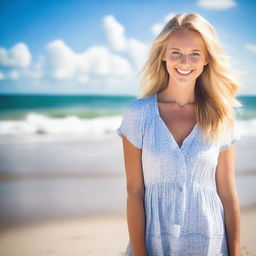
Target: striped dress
[[184, 215]]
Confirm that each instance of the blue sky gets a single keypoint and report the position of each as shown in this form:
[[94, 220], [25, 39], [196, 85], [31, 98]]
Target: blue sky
[[99, 47]]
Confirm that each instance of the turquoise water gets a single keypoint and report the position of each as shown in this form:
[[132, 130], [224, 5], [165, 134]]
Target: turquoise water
[[16, 107]]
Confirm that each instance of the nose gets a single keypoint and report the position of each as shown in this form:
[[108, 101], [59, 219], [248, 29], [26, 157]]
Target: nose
[[184, 59]]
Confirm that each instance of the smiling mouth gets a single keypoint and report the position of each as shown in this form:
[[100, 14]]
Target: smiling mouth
[[184, 73]]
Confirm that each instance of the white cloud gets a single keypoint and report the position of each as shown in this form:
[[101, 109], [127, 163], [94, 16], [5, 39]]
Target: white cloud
[[137, 52], [61, 60], [251, 47], [36, 70], [102, 62], [156, 28], [17, 62], [18, 56], [113, 65], [96, 61], [115, 33], [134, 49], [216, 4]]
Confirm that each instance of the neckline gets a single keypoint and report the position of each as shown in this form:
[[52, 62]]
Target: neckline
[[187, 138]]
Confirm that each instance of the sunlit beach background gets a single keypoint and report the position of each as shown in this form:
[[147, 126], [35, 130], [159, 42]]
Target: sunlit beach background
[[62, 95]]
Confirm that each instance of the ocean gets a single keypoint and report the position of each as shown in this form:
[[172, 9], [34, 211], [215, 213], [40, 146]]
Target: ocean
[[84, 114]]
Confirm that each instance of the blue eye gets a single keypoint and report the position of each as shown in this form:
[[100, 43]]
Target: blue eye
[[195, 53]]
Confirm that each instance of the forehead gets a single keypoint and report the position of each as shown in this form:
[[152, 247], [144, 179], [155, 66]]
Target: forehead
[[187, 40]]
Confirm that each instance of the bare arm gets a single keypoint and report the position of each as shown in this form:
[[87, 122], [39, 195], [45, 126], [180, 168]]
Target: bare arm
[[226, 187], [135, 197]]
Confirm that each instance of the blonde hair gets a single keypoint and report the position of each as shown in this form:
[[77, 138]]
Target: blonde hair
[[216, 86]]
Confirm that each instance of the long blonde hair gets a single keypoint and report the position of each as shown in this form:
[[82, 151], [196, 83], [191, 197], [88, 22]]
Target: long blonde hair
[[215, 88]]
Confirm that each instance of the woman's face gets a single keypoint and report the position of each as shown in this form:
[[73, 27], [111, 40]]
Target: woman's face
[[185, 51]]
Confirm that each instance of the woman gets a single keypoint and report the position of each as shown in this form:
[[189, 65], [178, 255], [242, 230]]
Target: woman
[[178, 147]]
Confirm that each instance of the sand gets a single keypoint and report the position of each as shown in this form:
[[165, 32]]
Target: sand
[[83, 236], [94, 235], [55, 187], [248, 228]]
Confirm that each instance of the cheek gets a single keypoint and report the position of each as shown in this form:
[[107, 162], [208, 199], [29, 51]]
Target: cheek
[[173, 58], [198, 62], [170, 67], [171, 62]]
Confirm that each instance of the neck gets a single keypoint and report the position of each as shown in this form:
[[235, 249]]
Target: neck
[[182, 94], [171, 101]]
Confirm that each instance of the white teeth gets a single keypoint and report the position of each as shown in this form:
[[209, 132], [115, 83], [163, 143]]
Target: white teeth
[[184, 72]]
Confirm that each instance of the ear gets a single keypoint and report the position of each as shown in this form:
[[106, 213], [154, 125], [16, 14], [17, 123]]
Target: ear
[[206, 62], [163, 58]]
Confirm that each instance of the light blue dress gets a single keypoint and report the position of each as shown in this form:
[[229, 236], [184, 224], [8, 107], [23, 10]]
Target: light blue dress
[[184, 214]]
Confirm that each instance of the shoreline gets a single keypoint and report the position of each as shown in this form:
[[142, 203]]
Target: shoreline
[[7, 177]]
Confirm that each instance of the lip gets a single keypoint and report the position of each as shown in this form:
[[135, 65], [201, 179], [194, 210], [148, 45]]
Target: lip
[[183, 74]]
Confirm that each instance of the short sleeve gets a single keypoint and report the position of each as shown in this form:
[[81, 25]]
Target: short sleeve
[[132, 124], [234, 136]]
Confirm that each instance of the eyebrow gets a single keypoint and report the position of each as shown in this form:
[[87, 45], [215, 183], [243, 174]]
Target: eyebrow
[[192, 50]]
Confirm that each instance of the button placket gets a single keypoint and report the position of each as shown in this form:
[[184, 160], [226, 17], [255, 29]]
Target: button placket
[[181, 197]]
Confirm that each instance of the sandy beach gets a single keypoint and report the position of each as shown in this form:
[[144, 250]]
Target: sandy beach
[[95, 235], [75, 205], [102, 235]]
